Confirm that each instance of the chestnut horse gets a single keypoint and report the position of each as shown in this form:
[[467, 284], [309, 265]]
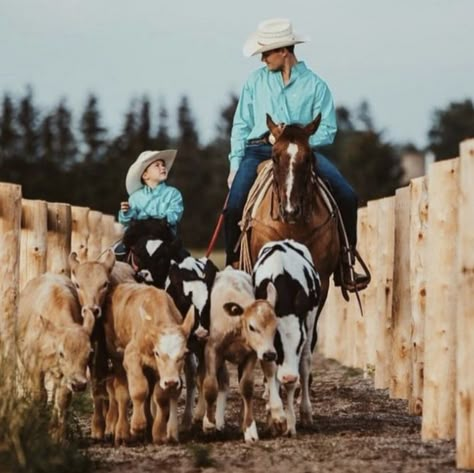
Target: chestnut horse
[[294, 207]]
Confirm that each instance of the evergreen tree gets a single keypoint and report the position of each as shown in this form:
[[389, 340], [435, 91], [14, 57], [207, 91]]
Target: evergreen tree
[[66, 148], [27, 119], [93, 133], [163, 140], [371, 165], [450, 127], [143, 132], [8, 134]]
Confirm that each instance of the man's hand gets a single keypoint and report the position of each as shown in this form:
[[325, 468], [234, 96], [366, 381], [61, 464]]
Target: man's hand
[[230, 179], [124, 206]]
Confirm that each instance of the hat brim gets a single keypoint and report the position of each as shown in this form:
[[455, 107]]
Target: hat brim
[[253, 47], [133, 181]]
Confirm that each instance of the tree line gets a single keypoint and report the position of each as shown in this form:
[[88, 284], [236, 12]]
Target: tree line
[[60, 158]]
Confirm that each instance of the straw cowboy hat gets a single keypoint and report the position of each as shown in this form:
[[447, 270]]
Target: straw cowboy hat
[[133, 181], [272, 34]]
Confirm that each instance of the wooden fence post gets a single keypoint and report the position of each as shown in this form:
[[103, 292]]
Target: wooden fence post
[[383, 282], [440, 350], [94, 245], [33, 241], [80, 231], [418, 228], [401, 369], [59, 238], [360, 360], [109, 236], [465, 311], [372, 261], [10, 225]]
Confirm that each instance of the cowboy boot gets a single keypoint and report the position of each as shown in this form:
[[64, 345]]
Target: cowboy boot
[[346, 277]]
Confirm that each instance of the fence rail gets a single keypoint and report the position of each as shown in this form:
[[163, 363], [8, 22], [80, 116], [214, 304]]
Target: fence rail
[[417, 332]]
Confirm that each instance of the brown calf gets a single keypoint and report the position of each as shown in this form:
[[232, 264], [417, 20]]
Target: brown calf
[[242, 330], [144, 328], [54, 348], [93, 280]]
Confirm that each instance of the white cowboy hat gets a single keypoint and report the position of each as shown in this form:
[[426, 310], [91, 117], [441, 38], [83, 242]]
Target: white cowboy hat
[[133, 180], [272, 34]]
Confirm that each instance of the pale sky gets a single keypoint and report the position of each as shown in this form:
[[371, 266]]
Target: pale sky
[[404, 57]]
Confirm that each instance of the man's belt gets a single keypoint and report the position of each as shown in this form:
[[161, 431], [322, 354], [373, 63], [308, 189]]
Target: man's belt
[[263, 140]]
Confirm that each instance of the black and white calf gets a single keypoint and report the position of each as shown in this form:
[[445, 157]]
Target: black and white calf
[[190, 282], [289, 266]]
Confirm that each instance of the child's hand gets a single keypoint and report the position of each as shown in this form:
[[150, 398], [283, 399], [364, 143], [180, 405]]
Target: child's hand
[[124, 206]]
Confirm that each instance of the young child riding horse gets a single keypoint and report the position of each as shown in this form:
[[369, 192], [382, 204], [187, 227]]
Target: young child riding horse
[[154, 208], [291, 93]]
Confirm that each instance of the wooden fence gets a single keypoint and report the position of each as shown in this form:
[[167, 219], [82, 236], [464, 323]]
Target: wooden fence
[[417, 332]]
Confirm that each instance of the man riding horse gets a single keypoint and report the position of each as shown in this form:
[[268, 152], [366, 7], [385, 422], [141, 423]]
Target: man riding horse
[[290, 93]]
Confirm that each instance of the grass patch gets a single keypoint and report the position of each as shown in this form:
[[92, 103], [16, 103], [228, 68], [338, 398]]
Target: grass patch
[[26, 443], [201, 454]]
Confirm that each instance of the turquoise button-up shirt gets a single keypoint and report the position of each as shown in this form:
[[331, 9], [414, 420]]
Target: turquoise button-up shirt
[[299, 101], [161, 202]]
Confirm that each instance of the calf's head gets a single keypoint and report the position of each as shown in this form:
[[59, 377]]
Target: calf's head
[[169, 350], [259, 324], [72, 350], [91, 280]]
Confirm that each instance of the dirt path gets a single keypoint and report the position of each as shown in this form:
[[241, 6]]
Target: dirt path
[[356, 429]]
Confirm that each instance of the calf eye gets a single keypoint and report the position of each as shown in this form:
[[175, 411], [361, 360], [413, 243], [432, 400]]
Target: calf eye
[[106, 284], [252, 328], [76, 285], [61, 354], [156, 353]]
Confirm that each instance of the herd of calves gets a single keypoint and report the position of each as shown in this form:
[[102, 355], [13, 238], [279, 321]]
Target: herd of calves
[[135, 342]]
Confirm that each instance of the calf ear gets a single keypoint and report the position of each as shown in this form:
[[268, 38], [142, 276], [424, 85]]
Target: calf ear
[[188, 322], [109, 260], [73, 261], [233, 309], [272, 294], [210, 271]]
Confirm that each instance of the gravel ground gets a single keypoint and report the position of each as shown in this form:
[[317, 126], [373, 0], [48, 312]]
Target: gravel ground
[[355, 429]]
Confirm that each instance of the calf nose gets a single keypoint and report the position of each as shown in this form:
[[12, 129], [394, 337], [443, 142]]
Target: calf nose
[[269, 356], [78, 386], [289, 379], [171, 383]]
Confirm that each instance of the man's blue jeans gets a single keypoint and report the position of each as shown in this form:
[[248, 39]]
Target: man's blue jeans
[[345, 196]]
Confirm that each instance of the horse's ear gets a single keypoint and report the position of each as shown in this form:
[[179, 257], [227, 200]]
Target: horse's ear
[[275, 130], [311, 128]]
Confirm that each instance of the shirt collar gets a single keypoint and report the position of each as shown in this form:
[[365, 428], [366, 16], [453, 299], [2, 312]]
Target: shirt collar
[[149, 190]]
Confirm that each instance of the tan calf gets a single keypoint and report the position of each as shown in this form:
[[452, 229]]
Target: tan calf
[[54, 348], [144, 328], [93, 280], [242, 330]]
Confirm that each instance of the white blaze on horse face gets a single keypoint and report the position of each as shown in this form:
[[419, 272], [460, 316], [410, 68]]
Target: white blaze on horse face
[[290, 179], [152, 246], [292, 335]]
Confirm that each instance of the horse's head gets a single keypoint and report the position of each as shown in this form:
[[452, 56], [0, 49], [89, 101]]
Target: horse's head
[[293, 167]]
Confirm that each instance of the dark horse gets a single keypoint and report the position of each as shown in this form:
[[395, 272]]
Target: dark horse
[[294, 206]]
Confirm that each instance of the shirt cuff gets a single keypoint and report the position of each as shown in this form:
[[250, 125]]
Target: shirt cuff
[[235, 163]]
